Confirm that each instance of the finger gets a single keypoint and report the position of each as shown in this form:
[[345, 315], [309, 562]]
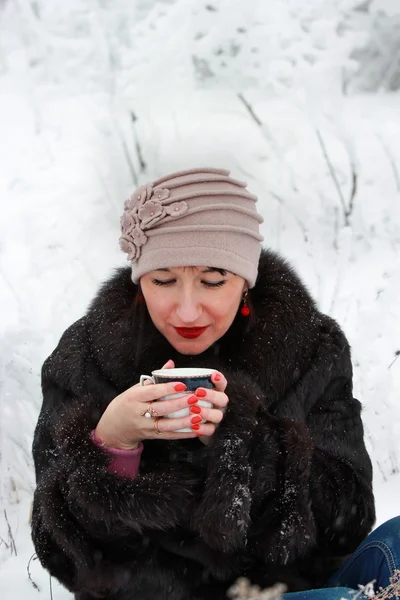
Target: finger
[[216, 398], [166, 425], [166, 407], [169, 365], [176, 435], [205, 429], [213, 415], [149, 393], [219, 381]]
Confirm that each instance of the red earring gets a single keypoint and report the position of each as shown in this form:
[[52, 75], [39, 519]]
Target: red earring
[[245, 310], [139, 297]]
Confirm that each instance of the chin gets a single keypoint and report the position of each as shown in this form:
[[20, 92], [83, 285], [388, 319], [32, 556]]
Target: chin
[[190, 347]]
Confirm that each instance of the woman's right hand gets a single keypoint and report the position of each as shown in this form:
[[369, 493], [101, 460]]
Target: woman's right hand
[[123, 425]]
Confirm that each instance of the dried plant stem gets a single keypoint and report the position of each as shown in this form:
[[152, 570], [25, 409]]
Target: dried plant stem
[[396, 356], [243, 590], [390, 591], [13, 547], [2, 541], [250, 109], [333, 175], [265, 131], [139, 152], [35, 585], [353, 192]]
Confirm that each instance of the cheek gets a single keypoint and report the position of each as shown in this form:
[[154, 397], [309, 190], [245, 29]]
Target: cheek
[[224, 311], [158, 308]]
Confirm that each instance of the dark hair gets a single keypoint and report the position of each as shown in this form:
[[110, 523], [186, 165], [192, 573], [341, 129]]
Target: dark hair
[[139, 317]]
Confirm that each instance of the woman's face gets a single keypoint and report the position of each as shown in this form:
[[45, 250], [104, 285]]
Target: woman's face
[[192, 306]]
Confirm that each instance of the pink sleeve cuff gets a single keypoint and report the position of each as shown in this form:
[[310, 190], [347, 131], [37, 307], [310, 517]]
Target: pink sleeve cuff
[[124, 462]]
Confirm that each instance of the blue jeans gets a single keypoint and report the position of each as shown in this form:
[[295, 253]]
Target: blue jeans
[[376, 558]]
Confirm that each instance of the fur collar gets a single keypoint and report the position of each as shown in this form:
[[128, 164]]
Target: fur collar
[[126, 345]]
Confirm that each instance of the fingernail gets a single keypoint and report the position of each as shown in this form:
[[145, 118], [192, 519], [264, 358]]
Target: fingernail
[[193, 400], [179, 387], [196, 420], [195, 409], [201, 393], [199, 434], [195, 427], [217, 377]]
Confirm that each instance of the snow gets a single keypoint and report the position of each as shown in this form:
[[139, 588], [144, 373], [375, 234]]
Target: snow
[[98, 96]]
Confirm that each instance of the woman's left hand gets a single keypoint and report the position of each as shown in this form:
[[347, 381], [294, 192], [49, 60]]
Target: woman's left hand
[[216, 397]]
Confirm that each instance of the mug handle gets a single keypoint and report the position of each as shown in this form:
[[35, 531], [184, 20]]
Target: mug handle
[[144, 378]]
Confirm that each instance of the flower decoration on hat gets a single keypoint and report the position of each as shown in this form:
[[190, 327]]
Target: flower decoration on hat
[[176, 209], [146, 208], [150, 213], [128, 246]]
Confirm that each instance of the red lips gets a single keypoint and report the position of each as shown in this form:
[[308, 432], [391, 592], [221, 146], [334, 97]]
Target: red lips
[[190, 332]]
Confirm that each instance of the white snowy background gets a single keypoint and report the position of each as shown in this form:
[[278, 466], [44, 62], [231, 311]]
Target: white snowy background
[[301, 99]]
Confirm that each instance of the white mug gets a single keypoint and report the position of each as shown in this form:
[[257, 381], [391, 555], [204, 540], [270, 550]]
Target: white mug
[[192, 377]]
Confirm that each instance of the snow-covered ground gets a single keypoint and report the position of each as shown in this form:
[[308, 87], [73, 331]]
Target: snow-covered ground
[[99, 95]]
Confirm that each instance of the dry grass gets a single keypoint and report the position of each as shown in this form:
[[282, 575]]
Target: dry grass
[[243, 590]]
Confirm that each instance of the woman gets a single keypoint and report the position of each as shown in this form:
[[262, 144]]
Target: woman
[[275, 486]]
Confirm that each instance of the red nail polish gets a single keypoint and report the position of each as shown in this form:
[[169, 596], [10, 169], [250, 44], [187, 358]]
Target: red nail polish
[[195, 409], [201, 393], [193, 400], [196, 420], [179, 387], [195, 427], [199, 434], [217, 377]]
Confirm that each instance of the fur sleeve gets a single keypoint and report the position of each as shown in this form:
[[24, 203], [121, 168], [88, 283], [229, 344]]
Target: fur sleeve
[[82, 511], [322, 495]]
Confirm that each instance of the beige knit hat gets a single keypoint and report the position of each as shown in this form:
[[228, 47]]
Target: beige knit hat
[[192, 218]]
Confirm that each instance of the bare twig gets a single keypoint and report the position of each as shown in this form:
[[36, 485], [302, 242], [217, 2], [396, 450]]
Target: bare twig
[[333, 175], [250, 109], [35, 585], [127, 157], [138, 147], [4, 542], [353, 192], [396, 356], [140, 155], [295, 217], [13, 547], [268, 135]]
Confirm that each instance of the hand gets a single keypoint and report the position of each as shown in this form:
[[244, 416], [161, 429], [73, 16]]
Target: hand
[[218, 398], [123, 425]]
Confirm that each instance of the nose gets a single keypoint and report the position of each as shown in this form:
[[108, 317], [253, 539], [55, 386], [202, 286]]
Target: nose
[[188, 308]]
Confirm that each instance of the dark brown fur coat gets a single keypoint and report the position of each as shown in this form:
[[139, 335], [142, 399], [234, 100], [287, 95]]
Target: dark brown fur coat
[[282, 494]]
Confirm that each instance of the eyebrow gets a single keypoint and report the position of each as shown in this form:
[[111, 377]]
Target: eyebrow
[[215, 270], [207, 270]]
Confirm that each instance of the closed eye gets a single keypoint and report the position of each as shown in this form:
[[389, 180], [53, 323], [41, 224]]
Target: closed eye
[[158, 282], [214, 285], [208, 284]]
